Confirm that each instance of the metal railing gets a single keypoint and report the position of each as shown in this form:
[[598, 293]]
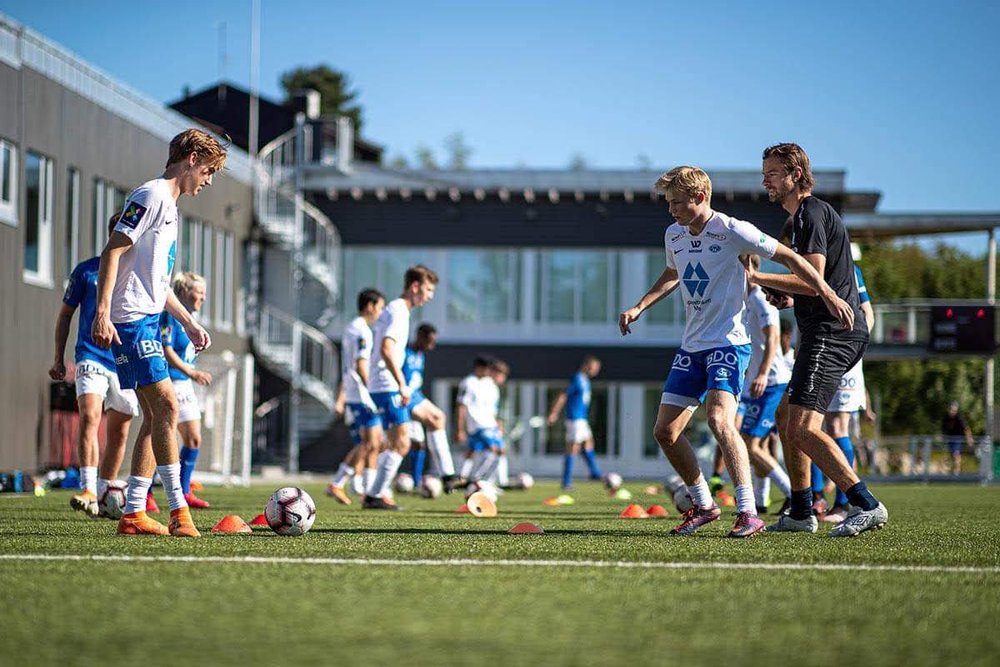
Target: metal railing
[[299, 352], [925, 457]]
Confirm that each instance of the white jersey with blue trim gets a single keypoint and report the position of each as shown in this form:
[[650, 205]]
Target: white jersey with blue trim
[[713, 282], [355, 344], [762, 314], [394, 323], [149, 219], [481, 398]]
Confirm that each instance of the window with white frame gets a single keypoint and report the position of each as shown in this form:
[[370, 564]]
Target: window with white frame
[[108, 200], [483, 286], [8, 183], [38, 219], [189, 258], [72, 219], [207, 248], [577, 286], [382, 269], [224, 282]]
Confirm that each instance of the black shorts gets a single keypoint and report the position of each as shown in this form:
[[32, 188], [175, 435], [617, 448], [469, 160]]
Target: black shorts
[[820, 363]]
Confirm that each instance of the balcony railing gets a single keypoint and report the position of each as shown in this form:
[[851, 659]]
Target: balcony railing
[[299, 352]]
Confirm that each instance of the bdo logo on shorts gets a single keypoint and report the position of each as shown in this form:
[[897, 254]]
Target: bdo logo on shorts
[[150, 348], [682, 362]]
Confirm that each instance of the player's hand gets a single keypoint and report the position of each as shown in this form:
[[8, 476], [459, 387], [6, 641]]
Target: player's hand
[[840, 309], [748, 267], [552, 418], [199, 337], [758, 386], [58, 371], [779, 300], [103, 332], [339, 406], [627, 318], [201, 377], [461, 436], [870, 416], [404, 395]]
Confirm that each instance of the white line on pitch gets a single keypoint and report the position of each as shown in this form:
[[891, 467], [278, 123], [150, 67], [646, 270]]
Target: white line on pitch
[[463, 562]]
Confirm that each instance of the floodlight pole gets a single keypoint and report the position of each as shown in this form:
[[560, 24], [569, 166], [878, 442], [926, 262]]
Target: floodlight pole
[[991, 293]]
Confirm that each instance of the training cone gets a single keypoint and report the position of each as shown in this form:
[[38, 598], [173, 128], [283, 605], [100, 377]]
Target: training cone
[[526, 528], [551, 502], [481, 505], [653, 490], [623, 494], [231, 524], [259, 520], [657, 511], [633, 512], [464, 509], [565, 499]]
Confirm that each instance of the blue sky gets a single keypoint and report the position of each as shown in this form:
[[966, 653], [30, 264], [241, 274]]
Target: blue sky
[[903, 95]]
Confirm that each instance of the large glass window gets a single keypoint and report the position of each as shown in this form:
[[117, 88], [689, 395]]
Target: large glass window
[[108, 200], [208, 309], [669, 310], [576, 286], [381, 269], [483, 285], [8, 182], [224, 282], [72, 219], [38, 222], [189, 257]]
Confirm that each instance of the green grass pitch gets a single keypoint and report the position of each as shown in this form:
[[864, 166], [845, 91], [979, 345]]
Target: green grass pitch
[[322, 612]]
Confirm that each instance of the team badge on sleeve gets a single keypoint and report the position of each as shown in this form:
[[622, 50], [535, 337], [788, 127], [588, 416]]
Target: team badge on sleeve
[[132, 215]]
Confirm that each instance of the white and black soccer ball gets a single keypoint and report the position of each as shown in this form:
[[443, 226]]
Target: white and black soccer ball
[[612, 481], [290, 511], [431, 487], [682, 500], [526, 480], [111, 503], [488, 488], [404, 482]]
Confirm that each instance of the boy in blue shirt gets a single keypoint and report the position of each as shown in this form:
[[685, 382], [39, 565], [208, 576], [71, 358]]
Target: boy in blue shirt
[[579, 437]]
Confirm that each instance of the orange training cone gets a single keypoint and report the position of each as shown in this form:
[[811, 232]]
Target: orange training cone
[[481, 505], [231, 524], [657, 511], [633, 511], [464, 509], [259, 520], [551, 502], [526, 528]]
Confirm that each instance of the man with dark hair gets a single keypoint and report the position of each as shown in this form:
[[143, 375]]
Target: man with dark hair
[[579, 436], [827, 349]]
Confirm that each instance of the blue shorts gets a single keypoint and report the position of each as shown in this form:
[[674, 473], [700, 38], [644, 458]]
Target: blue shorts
[[759, 418], [416, 398], [741, 409], [139, 358], [486, 438], [955, 445], [694, 374], [391, 410], [360, 416]]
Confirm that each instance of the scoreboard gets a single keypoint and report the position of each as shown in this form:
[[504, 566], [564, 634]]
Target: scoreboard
[[963, 329]]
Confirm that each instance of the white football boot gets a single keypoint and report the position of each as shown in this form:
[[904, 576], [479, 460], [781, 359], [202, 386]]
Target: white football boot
[[786, 524], [859, 520]]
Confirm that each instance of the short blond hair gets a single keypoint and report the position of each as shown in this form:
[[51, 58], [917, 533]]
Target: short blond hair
[[204, 145], [687, 181], [186, 281]]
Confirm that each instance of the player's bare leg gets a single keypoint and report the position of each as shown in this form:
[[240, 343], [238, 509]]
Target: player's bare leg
[[91, 407], [721, 408], [671, 420]]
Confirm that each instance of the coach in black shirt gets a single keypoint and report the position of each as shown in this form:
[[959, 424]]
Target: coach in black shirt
[[826, 348]]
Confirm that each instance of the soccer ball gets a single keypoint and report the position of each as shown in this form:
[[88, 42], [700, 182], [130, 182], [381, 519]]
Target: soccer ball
[[613, 481], [112, 502], [488, 488], [290, 511], [682, 501], [526, 480], [431, 487], [404, 482]]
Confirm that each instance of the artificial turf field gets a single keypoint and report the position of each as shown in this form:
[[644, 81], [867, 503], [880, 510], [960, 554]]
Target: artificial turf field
[[925, 590]]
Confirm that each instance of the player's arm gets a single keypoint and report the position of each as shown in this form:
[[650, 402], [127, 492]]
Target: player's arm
[[557, 407], [460, 417], [664, 285], [808, 269], [361, 368], [195, 331], [388, 347], [63, 321], [341, 401], [869, 312], [103, 331], [772, 343], [175, 361]]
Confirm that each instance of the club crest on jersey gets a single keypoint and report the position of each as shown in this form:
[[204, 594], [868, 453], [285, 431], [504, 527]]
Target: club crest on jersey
[[715, 247], [695, 279], [132, 215]]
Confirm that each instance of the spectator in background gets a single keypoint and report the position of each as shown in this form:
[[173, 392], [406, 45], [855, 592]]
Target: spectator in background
[[955, 430]]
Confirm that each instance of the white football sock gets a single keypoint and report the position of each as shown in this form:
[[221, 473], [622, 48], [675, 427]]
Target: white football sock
[[388, 466], [503, 471], [88, 478], [369, 477], [780, 479], [745, 500], [170, 477], [358, 483], [135, 496], [343, 472], [764, 499], [467, 464], [700, 493], [437, 443], [487, 464], [102, 486]]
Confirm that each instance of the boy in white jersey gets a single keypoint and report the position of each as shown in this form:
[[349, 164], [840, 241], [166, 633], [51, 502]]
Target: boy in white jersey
[[467, 424], [133, 289], [353, 399], [486, 428], [387, 384], [703, 249], [96, 385], [767, 377]]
